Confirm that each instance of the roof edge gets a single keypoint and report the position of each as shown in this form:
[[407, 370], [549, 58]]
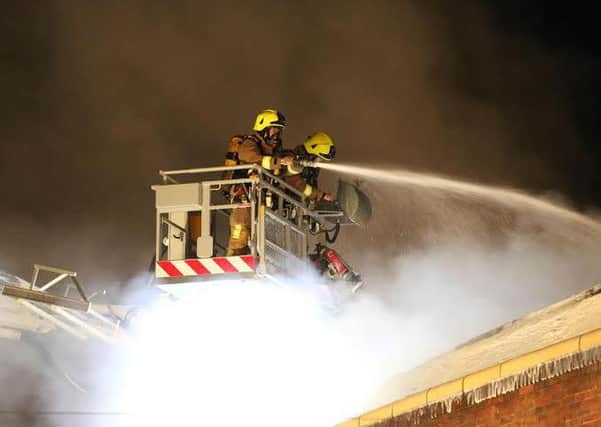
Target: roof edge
[[573, 299], [547, 362]]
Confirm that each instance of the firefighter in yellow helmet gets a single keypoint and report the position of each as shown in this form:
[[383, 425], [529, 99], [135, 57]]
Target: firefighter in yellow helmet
[[318, 147], [264, 148]]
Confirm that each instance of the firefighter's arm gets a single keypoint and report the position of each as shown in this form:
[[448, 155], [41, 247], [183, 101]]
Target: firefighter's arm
[[275, 162], [278, 161], [249, 152], [313, 193]]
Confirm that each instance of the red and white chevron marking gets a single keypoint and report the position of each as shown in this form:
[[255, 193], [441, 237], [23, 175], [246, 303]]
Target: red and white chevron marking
[[205, 266]]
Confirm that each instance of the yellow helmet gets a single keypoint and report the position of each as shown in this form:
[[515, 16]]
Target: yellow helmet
[[268, 118], [320, 144]]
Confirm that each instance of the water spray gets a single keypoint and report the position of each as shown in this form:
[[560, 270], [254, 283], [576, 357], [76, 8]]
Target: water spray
[[497, 194]]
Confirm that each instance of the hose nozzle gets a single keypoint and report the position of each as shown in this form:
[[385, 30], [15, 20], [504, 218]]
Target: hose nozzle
[[307, 163]]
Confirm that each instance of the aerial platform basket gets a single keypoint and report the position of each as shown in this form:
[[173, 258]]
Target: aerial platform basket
[[192, 224]]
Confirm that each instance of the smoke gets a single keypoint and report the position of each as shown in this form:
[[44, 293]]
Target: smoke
[[444, 295], [36, 392], [50, 378], [262, 354], [98, 97], [253, 352]]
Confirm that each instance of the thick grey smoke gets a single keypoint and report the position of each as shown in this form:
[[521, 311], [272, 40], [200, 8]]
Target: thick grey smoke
[[471, 264], [35, 391], [101, 96], [464, 259], [98, 97]]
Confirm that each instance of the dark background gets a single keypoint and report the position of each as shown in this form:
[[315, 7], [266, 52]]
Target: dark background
[[96, 97]]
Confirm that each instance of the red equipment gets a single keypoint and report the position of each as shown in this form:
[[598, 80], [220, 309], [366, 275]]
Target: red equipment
[[330, 263]]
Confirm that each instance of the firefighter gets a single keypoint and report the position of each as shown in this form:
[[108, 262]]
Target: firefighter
[[264, 148], [316, 148]]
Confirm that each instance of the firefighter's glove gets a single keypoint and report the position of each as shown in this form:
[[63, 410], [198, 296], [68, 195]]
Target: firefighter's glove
[[328, 197], [286, 160]]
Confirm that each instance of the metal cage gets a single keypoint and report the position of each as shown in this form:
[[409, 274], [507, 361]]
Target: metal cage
[[192, 228]]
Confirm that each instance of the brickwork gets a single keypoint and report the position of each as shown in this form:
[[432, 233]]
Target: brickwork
[[571, 399]]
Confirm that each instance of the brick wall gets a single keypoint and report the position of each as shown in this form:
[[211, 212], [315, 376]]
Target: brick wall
[[571, 399]]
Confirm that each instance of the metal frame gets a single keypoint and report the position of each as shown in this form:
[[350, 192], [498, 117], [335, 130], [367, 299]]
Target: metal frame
[[62, 274], [260, 182], [75, 316]]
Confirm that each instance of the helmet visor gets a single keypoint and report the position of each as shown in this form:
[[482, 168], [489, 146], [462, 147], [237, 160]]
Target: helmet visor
[[330, 154]]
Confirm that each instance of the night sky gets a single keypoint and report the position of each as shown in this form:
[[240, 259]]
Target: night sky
[[98, 96]]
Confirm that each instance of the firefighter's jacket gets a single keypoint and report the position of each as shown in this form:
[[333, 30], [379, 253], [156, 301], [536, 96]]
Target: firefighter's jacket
[[253, 150]]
